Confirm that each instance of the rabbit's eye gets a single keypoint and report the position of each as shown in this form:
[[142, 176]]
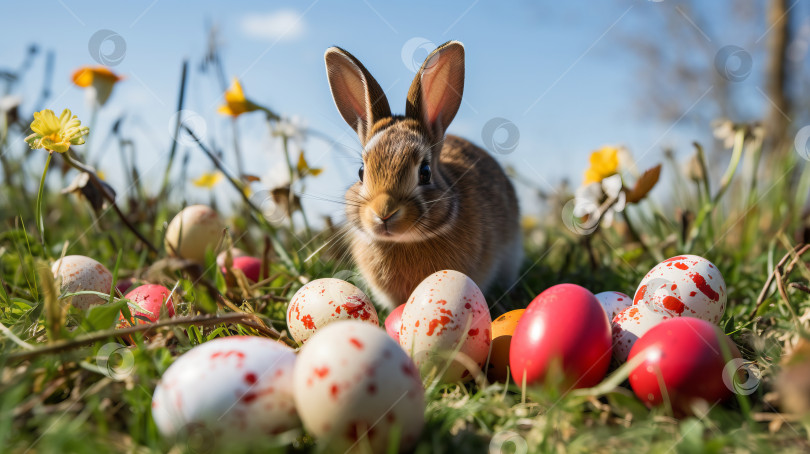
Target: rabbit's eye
[[360, 172], [424, 173]]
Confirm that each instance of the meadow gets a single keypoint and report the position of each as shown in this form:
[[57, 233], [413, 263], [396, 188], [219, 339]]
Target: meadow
[[63, 389]]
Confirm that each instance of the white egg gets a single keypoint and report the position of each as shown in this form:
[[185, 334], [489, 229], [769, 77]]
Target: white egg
[[235, 389], [80, 273], [324, 301], [192, 232], [613, 302], [630, 324], [445, 315], [355, 387], [686, 285]]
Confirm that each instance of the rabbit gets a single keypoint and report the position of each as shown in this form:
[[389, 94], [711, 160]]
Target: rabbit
[[423, 201]]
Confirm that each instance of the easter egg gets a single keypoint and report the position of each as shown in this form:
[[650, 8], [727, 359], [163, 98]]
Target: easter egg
[[324, 301], [394, 321], [686, 285], [502, 329], [250, 266], [80, 273], [613, 302], [564, 330], [446, 326], [235, 389], [630, 324], [688, 356], [355, 388], [151, 298], [192, 232]]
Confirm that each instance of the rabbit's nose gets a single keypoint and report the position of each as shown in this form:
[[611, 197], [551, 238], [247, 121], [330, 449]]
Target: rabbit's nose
[[388, 216]]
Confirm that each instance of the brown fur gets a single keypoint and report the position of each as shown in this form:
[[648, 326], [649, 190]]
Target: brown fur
[[465, 219]]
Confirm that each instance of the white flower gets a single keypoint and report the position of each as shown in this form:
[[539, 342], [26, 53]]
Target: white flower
[[590, 199], [723, 129], [293, 128], [9, 102]]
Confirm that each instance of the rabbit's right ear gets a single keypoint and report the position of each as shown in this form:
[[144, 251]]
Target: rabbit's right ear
[[358, 97]]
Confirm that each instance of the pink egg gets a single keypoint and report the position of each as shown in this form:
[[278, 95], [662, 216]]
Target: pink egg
[[235, 389], [355, 389], [446, 315], [686, 285], [151, 298], [250, 266], [394, 321], [563, 329], [630, 324], [324, 301], [613, 302]]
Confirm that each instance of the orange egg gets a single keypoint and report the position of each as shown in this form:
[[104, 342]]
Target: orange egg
[[502, 329]]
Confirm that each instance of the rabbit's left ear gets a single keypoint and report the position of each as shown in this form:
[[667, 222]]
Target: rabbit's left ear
[[358, 97], [435, 93]]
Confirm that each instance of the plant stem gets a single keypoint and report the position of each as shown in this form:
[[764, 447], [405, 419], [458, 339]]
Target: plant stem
[[40, 195]]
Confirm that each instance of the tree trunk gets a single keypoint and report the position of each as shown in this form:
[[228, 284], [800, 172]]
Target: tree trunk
[[777, 119]]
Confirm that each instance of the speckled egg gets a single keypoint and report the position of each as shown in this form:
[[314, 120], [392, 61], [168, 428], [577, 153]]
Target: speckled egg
[[446, 313], [151, 298], [355, 388], [613, 302], [502, 329], [192, 232], [686, 285], [630, 324], [236, 389], [80, 273], [324, 301]]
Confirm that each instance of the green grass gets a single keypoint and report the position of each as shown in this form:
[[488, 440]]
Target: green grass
[[55, 396]]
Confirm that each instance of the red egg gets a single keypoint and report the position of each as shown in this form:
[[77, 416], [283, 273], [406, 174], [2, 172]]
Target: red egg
[[564, 325], [151, 297], [687, 355], [394, 321], [250, 266]]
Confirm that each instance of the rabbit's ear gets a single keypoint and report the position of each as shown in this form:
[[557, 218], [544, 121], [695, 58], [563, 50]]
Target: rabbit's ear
[[435, 93], [358, 97]]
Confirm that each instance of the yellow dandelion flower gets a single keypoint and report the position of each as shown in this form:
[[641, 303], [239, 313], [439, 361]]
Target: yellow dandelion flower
[[208, 180], [56, 134], [604, 163], [235, 101], [98, 80], [304, 168]]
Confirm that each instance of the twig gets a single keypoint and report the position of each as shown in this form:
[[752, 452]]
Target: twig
[[764, 293], [180, 101], [799, 286], [205, 320]]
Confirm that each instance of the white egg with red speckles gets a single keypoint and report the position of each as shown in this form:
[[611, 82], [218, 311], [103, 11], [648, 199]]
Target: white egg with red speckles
[[193, 231], [630, 324], [237, 388], [80, 273], [355, 388], [446, 314], [324, 301], [686, 285], [613, 302]]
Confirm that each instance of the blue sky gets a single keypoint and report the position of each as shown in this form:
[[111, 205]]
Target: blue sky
[[557, 70]]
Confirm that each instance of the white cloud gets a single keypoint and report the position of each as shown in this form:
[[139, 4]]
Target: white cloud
[[284, 24]]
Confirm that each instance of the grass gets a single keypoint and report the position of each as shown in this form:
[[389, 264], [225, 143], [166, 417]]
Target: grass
[[58, 395]]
